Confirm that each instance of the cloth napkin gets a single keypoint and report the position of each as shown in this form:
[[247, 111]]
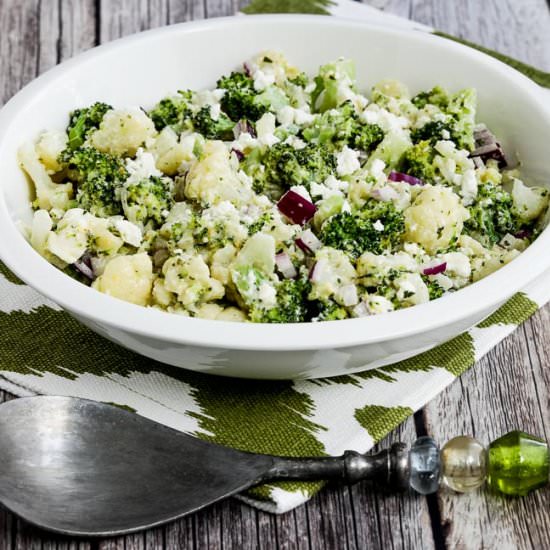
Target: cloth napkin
[[45, 351]]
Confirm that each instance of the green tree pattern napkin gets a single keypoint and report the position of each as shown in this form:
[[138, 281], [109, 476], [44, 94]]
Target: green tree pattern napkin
[[45, 351]]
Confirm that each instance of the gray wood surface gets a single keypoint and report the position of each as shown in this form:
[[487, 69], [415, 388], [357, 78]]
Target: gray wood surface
[[510, 388]]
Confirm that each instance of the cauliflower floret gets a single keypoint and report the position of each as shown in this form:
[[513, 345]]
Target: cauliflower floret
[[49, 147], [78, 231], [221, 224], [333, 271], [411, 289], [170, 153], [128, 278], [41, 226], [123, 131], [48, 194], [529, 202], [212, 179], [188, 277], [232, 314], [221, 262], [435, 219]]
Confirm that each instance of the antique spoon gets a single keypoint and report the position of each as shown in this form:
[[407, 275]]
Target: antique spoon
[[84, 468]]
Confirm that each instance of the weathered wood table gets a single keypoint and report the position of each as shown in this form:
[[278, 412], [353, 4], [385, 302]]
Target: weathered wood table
[[510, 388]]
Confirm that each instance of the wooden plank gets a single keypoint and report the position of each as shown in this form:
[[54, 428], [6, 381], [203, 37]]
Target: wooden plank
[[519, 29]]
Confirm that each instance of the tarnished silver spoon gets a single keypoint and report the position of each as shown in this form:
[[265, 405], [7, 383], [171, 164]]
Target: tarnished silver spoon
[[84, 468]]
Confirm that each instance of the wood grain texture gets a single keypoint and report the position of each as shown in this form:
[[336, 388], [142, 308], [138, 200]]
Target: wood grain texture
[[507, 389]]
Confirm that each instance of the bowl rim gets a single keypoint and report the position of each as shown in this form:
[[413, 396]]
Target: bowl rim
[[98, 308]]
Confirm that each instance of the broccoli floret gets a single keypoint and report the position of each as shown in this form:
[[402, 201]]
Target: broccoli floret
[[331, 311], [83, 121], [376, 228], [418, 161], [460, 109], [241, 100], [286, 166], [172, 111], [301, 80], [436, 96], [291, 304], [98, 177], [336, 128], [434, 289], [221, 128], [491, 215], [433, 132], [147, 200]]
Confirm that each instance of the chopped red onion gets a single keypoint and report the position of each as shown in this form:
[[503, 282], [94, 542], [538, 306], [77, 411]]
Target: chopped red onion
[[308, 242], [296, 208], [285, 265], [238, 154], [246, 69], [84, 266], [243, 127], [523, 234], [440, 268], [314, 273], [487, 147], [399, 176]]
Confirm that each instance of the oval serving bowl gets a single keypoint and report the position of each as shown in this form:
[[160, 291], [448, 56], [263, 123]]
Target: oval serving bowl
[[140, 69]]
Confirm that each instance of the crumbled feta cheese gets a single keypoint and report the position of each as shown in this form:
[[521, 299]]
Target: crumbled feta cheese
[[267, 295], [468, 187], [347, 161], [142, 167], [457, 263], [378, 304], [411, 289], [129, 231], [262, 80], [378, 225], [215, 111], [302, 191]]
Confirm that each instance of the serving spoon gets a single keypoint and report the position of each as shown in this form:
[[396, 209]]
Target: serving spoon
[[85, 468]]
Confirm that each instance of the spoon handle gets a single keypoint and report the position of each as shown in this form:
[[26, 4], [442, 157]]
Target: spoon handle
[[389, 467]]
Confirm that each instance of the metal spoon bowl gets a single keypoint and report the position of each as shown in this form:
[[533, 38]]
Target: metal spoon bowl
[[84, 468]]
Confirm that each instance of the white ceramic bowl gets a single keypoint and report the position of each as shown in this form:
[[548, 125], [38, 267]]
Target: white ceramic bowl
[[140, 69]]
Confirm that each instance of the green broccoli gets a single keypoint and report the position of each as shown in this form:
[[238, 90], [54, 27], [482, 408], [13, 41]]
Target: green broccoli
[[433, 132], [328, 83], [434, 289], [301, 80], [172, 111], [376, 228], [98, 177], [286, 166], [339, 127], [242, 101], [331, 311], [418, 160], [491, 215], [83, 121], [460, 111], [221, 128], [291, 304], [437, 96], [146, 201]]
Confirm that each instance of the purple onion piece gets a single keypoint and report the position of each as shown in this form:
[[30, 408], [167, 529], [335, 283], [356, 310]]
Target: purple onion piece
[[238, 154], [308, 242], [246, 69], [523, 234], [399, 176], [84, 266], [285, 265], [436, 269], [314, 272], [488, 148], [296, 208]]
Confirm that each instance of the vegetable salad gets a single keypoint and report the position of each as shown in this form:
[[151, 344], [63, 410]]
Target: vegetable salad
[[280, 197]]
